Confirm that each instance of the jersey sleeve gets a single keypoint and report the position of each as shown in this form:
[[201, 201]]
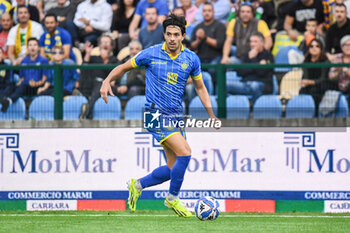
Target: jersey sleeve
[[141, 59], [196, 72]]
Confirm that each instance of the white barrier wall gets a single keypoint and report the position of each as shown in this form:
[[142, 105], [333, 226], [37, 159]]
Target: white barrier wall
[[315, 163]]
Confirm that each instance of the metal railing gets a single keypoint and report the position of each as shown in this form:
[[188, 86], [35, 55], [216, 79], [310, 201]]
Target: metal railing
[[220, 77]]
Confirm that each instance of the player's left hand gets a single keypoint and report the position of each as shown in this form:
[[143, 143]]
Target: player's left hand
[[105, 90]]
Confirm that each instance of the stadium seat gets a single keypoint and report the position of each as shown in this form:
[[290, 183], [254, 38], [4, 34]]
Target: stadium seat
[[72, 107], [42, 108], [110, 111], [16, 111], [237, 107], [267, 106], [134, 107], [300, 106], [342, 109], [282, 57], [196, 109], [290, 84], [274, 85]]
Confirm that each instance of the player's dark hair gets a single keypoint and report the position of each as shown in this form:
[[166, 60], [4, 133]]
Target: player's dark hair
[[173, 20]]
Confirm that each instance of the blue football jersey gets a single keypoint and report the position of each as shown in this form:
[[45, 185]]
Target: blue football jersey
[[166, 76]]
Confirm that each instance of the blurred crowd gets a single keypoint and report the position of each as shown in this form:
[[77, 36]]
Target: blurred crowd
[[219, 31]]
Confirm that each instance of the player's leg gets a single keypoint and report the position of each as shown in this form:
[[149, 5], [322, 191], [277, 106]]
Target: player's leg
[[157, 176], [160, 174], [179, 146]]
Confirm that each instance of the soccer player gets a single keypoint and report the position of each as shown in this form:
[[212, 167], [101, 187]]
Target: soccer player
[[168, 67]]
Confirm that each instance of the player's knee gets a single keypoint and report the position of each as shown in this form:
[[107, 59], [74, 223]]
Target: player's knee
[[185, 150]]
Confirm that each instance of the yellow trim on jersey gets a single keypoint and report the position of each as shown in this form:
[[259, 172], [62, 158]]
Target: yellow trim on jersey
[[161, 141], [171, 56], [197, 77], [262, 27], [133, 62]]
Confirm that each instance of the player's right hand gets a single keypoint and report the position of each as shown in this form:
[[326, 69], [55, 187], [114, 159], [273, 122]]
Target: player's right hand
[[105, 90]]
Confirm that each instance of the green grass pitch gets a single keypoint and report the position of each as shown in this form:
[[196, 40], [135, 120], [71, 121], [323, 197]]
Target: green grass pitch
[[166, 221]]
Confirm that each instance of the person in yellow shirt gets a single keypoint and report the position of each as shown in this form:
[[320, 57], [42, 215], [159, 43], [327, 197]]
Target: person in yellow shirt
[[239, 31]]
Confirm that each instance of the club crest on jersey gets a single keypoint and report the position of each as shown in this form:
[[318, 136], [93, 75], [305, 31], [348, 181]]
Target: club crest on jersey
[[184, 66]]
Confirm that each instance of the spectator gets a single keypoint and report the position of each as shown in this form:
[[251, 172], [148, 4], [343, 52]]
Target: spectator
[[65, 14], [341, 75], [44, 6], [310, 34], [18, 36], [239, 31], [162, 9], [55, 36], [255, 82], [6, 24], [133, 82], [190, 10], [6, 84], [96, 77], [33, 11], [152, 33], [222, 9], [346, 3], [282, 11], [339, 29], [5, 7], [30, 79], [314, 79], [121, 22], [208, 37], [70, 76], [265, 10], [93, 17], [299, 12]]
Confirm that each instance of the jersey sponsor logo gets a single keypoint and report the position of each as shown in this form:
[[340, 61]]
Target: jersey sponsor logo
[[172, 78], [159, 62]]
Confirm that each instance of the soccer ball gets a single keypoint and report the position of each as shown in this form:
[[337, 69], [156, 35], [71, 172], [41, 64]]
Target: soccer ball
[[206, 208]]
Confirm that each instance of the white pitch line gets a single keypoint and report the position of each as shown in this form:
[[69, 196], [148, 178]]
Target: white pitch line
[[168, 215]]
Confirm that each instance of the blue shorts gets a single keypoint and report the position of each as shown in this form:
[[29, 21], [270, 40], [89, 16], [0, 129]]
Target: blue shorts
[[162, 134]]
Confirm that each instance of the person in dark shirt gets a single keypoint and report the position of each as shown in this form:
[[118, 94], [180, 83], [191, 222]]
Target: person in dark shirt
[[120, 23], [314, 80], [255, 82], [208, 37], [96, 76], [339, 29], [6, 84], [65, 13], [299, 12]]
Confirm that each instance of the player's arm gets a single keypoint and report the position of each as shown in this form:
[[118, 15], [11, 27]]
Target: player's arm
[[203, 96], [116, 73]]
